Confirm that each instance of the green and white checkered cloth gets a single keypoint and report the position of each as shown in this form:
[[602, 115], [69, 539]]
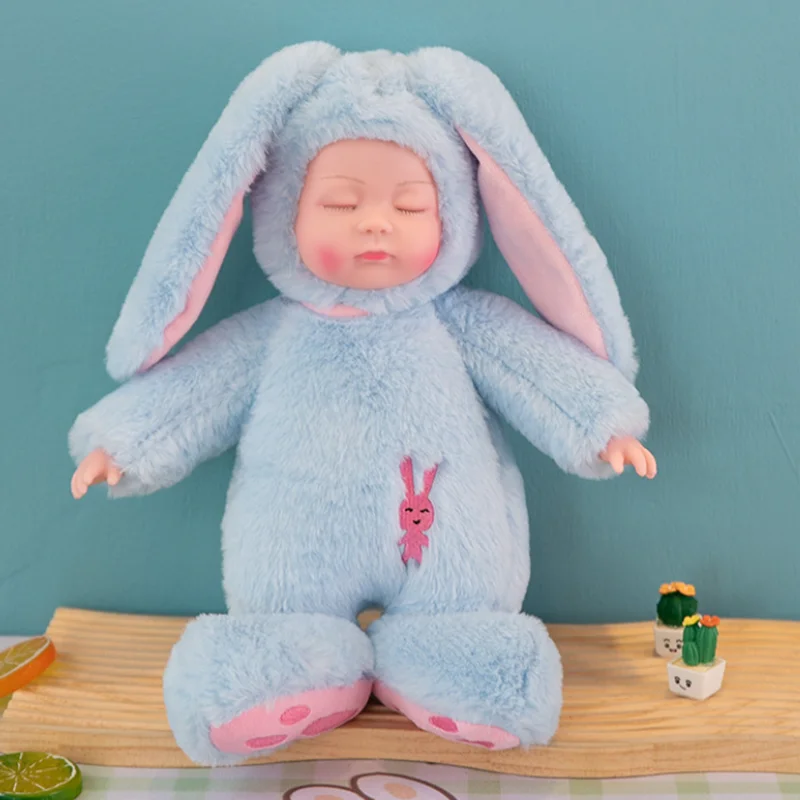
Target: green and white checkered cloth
[[275, 781]]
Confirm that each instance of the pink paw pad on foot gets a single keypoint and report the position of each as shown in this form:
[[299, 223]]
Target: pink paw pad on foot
[[486, 736], [289, 718]]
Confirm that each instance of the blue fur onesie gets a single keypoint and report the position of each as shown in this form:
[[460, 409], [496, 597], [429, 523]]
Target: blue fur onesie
[[324, 410]]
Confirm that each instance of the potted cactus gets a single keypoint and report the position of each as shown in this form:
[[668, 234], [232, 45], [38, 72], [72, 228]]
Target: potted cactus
[[677, 602], [698, 672]]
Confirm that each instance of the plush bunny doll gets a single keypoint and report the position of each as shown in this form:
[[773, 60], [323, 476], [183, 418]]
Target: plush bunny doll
[[370, 467]]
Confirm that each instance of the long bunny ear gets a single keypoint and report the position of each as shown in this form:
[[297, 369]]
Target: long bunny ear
[[537, 228], [428, 479], [407, 471], [191, 240]]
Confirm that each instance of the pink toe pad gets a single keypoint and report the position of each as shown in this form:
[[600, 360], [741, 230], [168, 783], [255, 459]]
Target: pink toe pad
[[289, 718], [486, 736], [266, 741], [444, 724]]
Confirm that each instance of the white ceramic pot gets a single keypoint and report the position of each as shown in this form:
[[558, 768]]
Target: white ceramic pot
[[668, 640], [697, 682]]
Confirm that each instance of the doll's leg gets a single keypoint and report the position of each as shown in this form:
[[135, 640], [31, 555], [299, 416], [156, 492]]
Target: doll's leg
[[238, 686], [288, 662], [490, 679], [453, 653]]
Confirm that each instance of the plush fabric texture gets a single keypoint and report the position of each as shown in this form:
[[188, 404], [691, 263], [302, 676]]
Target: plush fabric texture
[[365, 96], [490, 737], [309, 95], [223, 666], [469, 94], [160, 425], [325, 410], [232, 156], [565, 400], [494, 669], [291, 717], [341, 404]]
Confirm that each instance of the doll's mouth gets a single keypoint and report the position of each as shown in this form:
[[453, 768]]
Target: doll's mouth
[[374, 255]]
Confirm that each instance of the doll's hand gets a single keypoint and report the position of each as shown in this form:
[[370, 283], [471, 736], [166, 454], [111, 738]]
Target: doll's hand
[[95, 468], [627, 450]]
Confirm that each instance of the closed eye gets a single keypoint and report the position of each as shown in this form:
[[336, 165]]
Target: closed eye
[[412, 210], [424, 511], [409, 509], [330, 207]]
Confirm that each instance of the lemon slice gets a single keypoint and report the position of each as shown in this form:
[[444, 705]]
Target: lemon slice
[[23, 662], [38, 776]]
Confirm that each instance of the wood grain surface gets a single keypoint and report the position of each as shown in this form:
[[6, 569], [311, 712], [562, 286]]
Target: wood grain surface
[[101, 703]]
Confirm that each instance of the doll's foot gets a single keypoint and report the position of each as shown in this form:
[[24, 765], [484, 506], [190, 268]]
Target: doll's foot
[[486, 736], [236, 687], [301, 716], [490, 679]]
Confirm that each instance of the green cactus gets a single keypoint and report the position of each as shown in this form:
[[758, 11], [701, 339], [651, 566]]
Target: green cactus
[[700, 640], [707, 643], [674, 607], [691, 651]]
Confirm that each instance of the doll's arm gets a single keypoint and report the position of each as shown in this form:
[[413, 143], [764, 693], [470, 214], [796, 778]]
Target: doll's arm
[[161, 424], [566, 401]]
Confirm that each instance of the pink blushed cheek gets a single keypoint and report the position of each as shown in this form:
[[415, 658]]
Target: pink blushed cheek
[[431, 257], [428, 257], [330, 261]]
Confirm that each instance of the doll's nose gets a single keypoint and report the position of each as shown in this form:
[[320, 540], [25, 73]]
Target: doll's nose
[[374, 223]]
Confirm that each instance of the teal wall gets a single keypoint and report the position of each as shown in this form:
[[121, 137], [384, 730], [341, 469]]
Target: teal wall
[[674, 126]]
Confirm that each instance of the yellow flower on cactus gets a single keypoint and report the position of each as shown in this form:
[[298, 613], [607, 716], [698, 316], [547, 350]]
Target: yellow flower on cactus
[[677, 586], [689, 621]]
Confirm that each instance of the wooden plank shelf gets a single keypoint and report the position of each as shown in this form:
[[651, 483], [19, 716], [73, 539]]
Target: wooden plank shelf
[[101, 704]]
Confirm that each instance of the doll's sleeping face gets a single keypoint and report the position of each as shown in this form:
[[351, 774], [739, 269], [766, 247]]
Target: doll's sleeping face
[[368, 216]]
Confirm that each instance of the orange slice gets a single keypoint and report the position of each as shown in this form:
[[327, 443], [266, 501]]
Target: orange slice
[[23, 662]]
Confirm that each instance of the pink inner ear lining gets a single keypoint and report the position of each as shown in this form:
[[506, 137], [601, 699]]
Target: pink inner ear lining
[[202, 284], [533, 255]]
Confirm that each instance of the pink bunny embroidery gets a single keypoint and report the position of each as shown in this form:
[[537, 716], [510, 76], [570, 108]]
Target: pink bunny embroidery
[[416, 512]]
